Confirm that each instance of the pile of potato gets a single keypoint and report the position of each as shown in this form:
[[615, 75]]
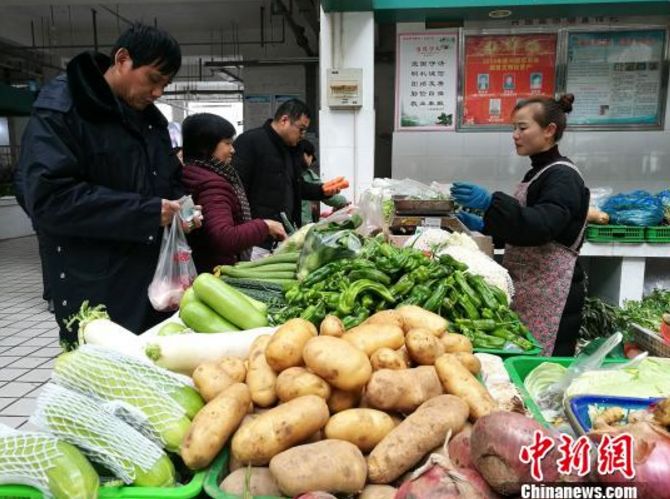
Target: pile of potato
[[337, 410]]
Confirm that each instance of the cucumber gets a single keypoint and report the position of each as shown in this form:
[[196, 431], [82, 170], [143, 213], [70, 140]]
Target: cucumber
[[203, 319], [228, 302]]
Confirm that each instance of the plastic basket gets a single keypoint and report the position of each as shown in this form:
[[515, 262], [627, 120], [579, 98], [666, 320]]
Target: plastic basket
[[215, 475], [660, 234], [186, 491], [650, 341], [504, 354], [577, 408], [519, 367], [615, 233]]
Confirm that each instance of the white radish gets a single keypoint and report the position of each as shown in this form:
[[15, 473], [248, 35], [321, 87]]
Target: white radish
[[182, 353]]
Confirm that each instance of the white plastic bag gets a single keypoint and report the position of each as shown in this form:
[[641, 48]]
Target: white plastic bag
[[175, 271]]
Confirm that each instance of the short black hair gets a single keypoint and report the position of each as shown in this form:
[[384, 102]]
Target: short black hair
[[148, 45], [294, 109], [202, 132], [306, 147]]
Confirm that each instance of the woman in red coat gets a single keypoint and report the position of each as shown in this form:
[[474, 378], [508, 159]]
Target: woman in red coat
[[228, 232]]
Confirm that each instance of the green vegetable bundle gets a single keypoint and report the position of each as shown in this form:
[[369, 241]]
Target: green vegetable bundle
[[278, 268]]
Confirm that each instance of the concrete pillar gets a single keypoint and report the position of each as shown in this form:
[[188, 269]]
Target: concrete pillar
[[347, 137]]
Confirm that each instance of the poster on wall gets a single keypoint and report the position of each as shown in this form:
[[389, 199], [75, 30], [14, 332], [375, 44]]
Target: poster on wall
[[616, 77], [500, 70], [426, 69]]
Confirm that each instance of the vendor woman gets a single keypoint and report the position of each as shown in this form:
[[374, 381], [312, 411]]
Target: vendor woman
[[542, 225]]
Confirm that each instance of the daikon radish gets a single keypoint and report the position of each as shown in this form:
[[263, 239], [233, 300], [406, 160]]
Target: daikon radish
[[182, 353]]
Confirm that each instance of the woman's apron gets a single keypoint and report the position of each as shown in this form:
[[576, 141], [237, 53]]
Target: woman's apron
[[542, 277]]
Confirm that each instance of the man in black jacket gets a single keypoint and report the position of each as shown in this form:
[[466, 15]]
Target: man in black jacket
[[98, 178], [270, 165]]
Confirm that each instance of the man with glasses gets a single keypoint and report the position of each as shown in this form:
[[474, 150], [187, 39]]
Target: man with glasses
[[270, 166]]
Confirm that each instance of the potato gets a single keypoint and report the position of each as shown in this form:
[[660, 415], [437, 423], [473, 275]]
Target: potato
[[403, 390], [371, 337], [210, 379], [338, 362], [423, 347], [331, 326], [454, 342], [378, 492], [341, 400], [457, 380], [404, 446], [285, 347], [278, 429], [297, 381], [213, 425], [364, 428], [405, 355], [261, 379], [386, 358], [261, 483], [470, 361], [385, 317], [414, 317], [234, 368], [330, 465]]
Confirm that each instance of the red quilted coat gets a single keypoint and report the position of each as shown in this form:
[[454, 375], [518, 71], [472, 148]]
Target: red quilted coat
[[223, 234]]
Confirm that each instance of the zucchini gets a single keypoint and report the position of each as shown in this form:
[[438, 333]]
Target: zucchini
[[270, 260], [273, 267], [258, 272], [228, 302], [171, 328], [57, 466], [202, 319]]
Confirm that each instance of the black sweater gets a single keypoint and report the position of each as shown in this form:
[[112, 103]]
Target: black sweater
[[555, 210]]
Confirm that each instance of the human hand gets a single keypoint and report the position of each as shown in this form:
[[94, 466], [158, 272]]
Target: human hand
[[276, 229], [168, 210], [470, 195], [195, 222], [472, 222]]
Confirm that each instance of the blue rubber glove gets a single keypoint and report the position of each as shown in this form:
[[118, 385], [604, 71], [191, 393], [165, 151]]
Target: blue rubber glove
[[471, 195], [472, 222]]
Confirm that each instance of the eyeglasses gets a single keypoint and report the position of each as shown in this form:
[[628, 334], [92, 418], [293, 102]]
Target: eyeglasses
[[301, 128]]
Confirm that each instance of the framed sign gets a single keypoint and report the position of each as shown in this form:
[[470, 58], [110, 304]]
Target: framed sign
[[498, 70], [426, 69], [617, 78]]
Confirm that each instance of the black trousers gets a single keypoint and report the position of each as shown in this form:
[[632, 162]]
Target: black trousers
[[571, 320]]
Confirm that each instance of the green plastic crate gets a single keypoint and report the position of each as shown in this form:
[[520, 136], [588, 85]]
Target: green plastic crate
[[187, 491], [504, 354], [215, 475], [659, 234], [615, 234], [519, 367]]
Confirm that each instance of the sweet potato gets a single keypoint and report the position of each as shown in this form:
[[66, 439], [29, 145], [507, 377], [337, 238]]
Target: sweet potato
[[412, 439], [423, 346], [213, 425], [457, 380], [330, 465], [297, 381], [386, 358], [261, 483], [285, 347], [364, 428], [371, 337], [331, 326], [402, 390], [338, 362], [278, 429], [261, 379], [416, 317]]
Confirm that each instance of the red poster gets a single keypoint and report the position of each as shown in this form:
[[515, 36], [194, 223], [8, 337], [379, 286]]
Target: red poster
[[503, 69]]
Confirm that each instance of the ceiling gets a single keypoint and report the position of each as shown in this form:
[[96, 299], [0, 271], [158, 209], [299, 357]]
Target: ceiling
[[256, 31]]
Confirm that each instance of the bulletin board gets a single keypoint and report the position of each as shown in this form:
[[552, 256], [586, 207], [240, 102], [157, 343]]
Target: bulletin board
[[619, 78], [499, 70]]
